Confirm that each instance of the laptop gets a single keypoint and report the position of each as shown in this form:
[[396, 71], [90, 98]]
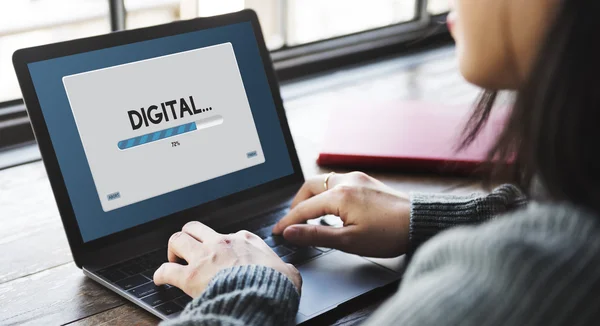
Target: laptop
[[142, 131]]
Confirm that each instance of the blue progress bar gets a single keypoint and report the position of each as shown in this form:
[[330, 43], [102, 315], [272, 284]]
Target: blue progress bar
[[158, 135]]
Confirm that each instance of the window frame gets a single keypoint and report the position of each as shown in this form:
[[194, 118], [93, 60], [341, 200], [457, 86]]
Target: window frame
[[289, 62], [14, 124], [419, 22]]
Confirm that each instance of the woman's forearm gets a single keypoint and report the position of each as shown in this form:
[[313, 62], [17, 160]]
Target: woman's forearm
[[243, 295], [433, 213]]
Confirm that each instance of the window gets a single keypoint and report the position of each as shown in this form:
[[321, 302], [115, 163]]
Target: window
[[142, 13], [436, 7], [285, 23], [314, 20], [29, 23]]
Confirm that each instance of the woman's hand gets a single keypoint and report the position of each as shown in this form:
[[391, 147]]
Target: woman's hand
[[376, 218], [207, 252]]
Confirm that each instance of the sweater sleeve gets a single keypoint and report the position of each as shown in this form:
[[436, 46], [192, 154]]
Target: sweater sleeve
[[433, 213], [536, 266], [243, 295]]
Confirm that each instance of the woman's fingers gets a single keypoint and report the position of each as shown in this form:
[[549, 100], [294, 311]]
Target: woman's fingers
[[314, 186], [318, 235], [317, 206], [308, 189], [184, 246], [199, 231], [170, 273]]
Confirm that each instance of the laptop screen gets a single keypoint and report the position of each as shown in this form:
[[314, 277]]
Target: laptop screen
[[152, 128]]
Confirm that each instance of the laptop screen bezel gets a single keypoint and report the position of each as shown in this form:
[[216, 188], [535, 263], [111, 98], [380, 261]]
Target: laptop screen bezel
[[23, 57]]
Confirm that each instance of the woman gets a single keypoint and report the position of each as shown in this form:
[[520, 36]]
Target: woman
[[538, 263]]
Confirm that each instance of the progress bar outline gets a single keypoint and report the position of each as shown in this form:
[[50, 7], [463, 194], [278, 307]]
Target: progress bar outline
[[170, 132]]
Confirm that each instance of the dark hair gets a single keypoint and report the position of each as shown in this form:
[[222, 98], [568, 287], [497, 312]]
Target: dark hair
[[555, 119]]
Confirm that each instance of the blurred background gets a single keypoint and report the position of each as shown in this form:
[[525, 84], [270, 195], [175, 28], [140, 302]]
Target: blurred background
[[287, 24]]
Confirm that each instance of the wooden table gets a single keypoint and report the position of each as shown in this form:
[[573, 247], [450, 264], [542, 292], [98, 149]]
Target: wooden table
[[39, 283]]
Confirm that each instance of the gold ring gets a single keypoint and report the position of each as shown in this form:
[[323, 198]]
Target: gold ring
[[325, 183]]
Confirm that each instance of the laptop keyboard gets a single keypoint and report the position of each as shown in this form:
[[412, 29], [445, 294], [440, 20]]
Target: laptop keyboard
[[135, 275]]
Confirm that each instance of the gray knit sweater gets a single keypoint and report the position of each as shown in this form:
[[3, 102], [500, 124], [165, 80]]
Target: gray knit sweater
[[538, 265]]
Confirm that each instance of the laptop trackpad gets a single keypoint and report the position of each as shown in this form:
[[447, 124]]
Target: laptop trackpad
[[336, 278]]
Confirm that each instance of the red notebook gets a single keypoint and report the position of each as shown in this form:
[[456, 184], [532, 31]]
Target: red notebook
[[407, 136]]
